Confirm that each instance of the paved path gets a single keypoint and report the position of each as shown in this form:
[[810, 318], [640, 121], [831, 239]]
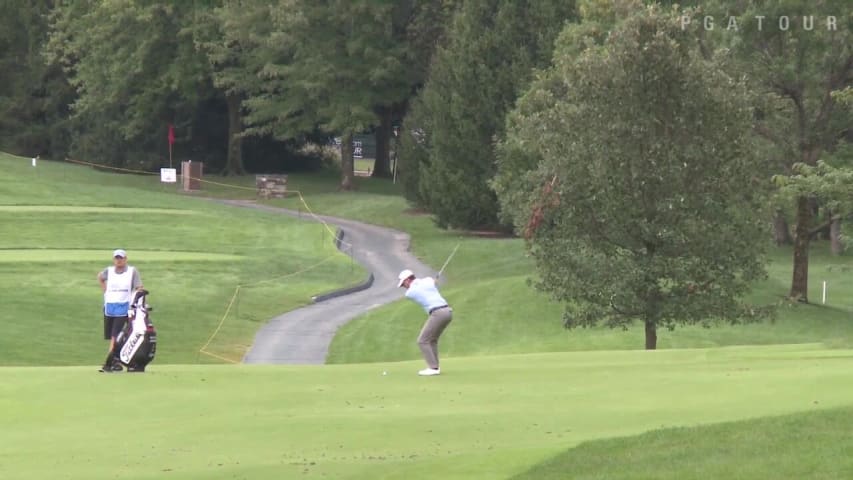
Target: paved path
[[303, 336]]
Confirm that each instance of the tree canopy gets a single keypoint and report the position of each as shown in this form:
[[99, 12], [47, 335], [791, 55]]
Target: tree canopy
[[795, 54], [134, 71], [642, 202], [490, 50]]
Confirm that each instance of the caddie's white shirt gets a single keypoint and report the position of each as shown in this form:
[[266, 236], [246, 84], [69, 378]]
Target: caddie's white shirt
[[423, 291], [117, 296]]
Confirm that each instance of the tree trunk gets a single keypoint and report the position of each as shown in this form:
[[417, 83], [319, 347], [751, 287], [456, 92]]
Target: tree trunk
[[781, 231], [347, 163], [234, 164], [836, 246], [651, 336], [382, 163], [800, 280]]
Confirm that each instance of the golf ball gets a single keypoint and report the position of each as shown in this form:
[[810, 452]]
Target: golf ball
[[384, 373]]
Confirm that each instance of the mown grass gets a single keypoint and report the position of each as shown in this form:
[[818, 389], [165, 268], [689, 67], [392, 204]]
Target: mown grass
[[485, 418], [61, 222]]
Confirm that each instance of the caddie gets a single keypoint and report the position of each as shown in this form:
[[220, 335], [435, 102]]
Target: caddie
[[118, 283]]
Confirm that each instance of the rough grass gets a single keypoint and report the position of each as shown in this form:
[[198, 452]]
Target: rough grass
[[487, 281], [497, 311], [61, 223]]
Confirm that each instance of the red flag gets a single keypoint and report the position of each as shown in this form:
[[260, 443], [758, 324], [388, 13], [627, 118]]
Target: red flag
[[171, 134]]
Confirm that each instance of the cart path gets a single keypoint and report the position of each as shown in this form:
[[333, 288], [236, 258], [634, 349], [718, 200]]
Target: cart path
[[303, 336]]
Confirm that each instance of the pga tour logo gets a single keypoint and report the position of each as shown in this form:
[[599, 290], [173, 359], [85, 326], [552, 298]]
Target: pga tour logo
[[762, 22]]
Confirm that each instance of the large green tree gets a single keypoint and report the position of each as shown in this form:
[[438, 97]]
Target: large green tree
[[233, 36], [491, 49], [596, 19], [796, 54], [642, 205], [418, 25], [137, 67], [343, 67], [33, 95]]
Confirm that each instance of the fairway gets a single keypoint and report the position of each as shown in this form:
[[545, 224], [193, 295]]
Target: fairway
[[485, 418]]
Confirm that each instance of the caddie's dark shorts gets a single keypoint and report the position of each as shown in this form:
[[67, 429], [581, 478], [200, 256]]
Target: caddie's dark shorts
[[113, 325]]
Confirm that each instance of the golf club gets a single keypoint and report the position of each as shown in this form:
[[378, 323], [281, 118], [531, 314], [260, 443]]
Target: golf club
[[448, 259]]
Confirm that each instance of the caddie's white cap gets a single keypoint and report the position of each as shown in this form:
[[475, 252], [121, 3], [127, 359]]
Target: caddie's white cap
[[404, 275], [120, 253]]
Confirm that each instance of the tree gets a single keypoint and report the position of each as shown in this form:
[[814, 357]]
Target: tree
[[597, 19], [641, 206], [843, 157], [33, 95], [338, 69], [491, 49], [797, 56], [230, 36], [414, 152], [833, 186], [136, 68], [418, 26], [344, 67]]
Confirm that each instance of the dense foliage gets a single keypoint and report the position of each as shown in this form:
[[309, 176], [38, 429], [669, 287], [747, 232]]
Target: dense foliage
[[247, 84], [642, 204], [490, 51]]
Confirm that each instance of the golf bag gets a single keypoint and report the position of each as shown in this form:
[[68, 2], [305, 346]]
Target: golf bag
[[136, 345]]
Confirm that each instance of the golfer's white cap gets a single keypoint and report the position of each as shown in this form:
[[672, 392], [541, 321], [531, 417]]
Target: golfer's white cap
[[404, 275], [120, 253]]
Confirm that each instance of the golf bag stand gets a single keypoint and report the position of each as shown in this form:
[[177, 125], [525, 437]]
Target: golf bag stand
[[136, 345]]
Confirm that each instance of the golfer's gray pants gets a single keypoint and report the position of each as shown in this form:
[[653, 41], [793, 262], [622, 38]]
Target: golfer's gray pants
[[428, 339]]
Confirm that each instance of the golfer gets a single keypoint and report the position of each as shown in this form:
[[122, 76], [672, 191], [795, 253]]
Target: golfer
[[118, 284], [424, 292]]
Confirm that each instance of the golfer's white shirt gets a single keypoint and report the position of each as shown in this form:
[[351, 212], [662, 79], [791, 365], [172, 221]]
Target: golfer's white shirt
[[423, 291]]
